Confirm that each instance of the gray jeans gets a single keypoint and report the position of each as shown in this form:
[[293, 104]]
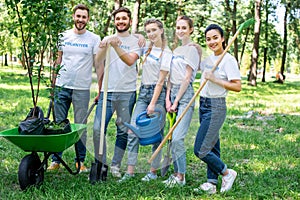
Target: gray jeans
[[122, 103], [177, 145], [145, 96], [80, 100]]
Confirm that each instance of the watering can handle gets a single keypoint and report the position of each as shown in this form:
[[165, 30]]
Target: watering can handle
[[145, 113]]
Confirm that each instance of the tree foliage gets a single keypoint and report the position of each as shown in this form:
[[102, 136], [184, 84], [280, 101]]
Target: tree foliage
[[228, 13], [36, 23]]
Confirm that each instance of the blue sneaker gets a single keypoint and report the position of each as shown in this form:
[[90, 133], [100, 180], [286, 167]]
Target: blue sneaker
[[149, 176], [126, 177]]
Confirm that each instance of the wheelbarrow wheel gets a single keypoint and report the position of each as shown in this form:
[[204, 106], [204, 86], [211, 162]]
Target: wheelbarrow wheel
[[30, 171]]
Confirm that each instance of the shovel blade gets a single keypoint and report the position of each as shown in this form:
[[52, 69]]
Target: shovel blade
[[102, 172], [165, 165], [93, 173], [98, 172]]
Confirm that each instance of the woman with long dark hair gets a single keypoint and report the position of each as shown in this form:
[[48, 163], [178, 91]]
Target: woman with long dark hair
[[212, 111]]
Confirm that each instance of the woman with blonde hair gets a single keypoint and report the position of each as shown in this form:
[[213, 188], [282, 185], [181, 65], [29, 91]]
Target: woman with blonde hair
[[152, 94]]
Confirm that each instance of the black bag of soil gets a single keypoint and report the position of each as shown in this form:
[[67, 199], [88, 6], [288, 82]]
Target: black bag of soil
[[33, 124]]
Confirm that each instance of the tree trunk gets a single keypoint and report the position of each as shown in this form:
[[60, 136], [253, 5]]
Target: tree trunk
[[287, 8], [118, 4], [266, 39], [254, 58], [228, 11], [179, 11], [107, 23], [135, 18], [23, 61], [236, 47], [5, 60]]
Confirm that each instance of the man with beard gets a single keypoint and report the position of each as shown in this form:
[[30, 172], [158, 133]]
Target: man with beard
[[121, 93], [77, 50]]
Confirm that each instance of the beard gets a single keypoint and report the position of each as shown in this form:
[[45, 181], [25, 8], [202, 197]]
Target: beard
[[123, 30], [79, 28]]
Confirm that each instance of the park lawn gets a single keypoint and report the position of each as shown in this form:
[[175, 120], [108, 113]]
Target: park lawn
[[260, 140]]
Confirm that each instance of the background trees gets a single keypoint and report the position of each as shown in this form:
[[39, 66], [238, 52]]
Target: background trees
[[37, 24], [277, 42]]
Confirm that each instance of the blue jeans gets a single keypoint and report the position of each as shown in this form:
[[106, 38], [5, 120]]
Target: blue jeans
[[212, 114], [179, 133], [144, 99], [122, 103], [62, 102]]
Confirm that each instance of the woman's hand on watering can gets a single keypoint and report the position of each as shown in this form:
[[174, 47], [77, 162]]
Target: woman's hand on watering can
[[150, 109]]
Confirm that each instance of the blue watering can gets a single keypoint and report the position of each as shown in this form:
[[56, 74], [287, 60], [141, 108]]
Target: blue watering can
[[148, 127]]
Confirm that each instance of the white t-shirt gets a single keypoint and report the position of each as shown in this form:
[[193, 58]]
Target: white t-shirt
[[183, 56], [155, 61], [122, 78], [77, 59], [227, 70]]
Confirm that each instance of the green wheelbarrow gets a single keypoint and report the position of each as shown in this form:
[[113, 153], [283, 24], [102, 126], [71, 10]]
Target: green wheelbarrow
[[31, 169]]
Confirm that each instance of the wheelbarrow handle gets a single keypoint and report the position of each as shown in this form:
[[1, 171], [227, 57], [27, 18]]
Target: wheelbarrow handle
[[89, 111]]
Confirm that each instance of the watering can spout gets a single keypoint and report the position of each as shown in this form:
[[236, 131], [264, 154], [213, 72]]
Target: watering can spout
[[135, 130]]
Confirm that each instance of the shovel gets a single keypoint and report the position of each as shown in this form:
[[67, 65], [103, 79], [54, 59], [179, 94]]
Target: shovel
[[168, 159], [99, 169]]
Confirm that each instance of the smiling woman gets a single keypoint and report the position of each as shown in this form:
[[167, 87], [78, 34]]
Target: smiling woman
[[212, 112], [185, 63], [156, 65]]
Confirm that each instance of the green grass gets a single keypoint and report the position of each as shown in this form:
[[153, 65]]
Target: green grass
[[260, 140]]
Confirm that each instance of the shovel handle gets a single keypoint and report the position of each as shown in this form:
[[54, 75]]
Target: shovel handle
[[105, 87], [191, 101]]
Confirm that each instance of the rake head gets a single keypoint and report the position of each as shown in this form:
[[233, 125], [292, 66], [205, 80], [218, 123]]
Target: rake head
[[246, 24]]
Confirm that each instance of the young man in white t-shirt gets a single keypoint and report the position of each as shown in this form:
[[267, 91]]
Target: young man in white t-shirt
[[77, 50], [121, 93]]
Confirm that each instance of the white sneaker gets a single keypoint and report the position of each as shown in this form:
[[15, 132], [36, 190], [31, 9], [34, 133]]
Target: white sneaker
[[173, 181], [207, 187], [227, 181], [169, 179], [149, 176], [115, 171]]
